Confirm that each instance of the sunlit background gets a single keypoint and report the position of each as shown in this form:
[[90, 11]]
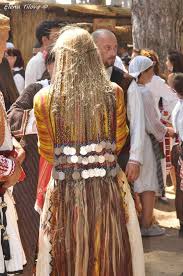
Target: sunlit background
[[122, 3]]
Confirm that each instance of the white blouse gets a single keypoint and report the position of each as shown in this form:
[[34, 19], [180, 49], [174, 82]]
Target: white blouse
[[19, 80], [159, 89], [177, 119], [135, 113]]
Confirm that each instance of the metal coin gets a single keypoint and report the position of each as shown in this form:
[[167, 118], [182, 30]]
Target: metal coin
[[76, 175], [72, 151], [61, 175], [98, 148], [88, 148], [106, 155], [69, 160], [96, 172], [83, 151], [85, 174], [85, 161], [96, 158], [101, 159], [111, 158], [102, 172], [66, 150], [62, 159], [91, 173], [93, 147], [80, 159], [74, 159], [91, 159], [55, 174], [58, 151]]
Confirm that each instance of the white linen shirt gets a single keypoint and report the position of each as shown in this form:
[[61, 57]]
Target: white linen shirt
[[35, 69], [135, 114], [159, 89], [177, 119]]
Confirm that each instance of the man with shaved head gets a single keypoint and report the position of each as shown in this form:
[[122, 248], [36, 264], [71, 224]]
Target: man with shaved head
[[129, 157], [107, 44]]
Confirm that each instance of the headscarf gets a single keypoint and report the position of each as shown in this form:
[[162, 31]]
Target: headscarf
[[138, 65]]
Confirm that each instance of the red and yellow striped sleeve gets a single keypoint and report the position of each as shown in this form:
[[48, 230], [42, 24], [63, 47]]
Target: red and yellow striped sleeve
[[45, 135], [121, 125]]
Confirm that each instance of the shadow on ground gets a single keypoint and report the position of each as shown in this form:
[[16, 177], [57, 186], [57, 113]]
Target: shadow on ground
[[164, 254]]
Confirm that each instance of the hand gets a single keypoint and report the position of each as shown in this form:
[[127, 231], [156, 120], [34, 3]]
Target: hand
[[170, 131], [20, 151], [21, 155], [132, 171], [13, 179]]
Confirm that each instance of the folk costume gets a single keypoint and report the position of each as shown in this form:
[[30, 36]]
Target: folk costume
[[83, 224], [21, 121], [12, 258], [177, 159], [151, 177]]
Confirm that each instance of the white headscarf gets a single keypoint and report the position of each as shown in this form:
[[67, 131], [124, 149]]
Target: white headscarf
[[138, 65]]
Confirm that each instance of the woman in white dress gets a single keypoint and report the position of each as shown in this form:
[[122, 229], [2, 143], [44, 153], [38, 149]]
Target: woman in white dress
[[163, 93], [147, 185]]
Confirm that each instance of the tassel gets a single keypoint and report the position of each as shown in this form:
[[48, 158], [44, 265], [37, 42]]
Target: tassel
[[4, 236]]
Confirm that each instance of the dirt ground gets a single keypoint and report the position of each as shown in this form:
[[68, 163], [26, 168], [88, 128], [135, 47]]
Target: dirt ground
[[164, 255]]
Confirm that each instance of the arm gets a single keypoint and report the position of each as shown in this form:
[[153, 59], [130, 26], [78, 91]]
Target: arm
[[165, 91], [137, 132], [153, 124], [135, 113], [25, 100], [121, 125], [19, 111], [45, 135], [20, 151]]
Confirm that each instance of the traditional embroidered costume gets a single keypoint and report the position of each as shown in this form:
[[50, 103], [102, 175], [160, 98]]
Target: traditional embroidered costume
[[12, 258], [84, 220]]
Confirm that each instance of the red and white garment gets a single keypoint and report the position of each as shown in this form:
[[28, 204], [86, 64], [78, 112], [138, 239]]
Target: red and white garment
[[7, 166], [17, 260]]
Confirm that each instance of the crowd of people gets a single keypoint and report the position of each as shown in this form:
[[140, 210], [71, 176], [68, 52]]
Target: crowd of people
[[91, 133]]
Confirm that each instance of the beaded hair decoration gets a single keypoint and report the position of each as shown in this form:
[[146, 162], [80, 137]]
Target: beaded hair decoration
[[82, 104]]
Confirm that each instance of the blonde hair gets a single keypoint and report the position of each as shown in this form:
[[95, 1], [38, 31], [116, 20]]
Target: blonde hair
[[80, 100], [4, 22]]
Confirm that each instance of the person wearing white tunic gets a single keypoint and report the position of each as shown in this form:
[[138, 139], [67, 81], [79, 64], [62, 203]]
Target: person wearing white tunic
[[141, 68], [177, 121], [46, 34], [160, 90]]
